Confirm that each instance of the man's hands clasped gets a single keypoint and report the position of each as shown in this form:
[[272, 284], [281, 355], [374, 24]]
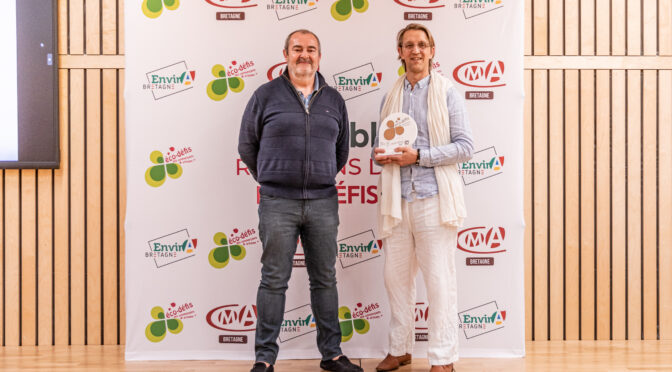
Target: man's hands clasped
[[408, 156]]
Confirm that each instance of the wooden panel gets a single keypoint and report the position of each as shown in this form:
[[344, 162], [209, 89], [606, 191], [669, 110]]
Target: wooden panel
[[528, 205], [121, 34], [665, 202], [592, 62], [649, 223], [28, 267], [555, 204], [556, 28], [665, 27], [572, 27], [77, 209], [540, 24], [650, 27], [618, 199], [634, 195], [602, 186], [12, 257], [45, 257], [602, 36], [540, 204], [76, 25], [571, 221], [109, 27], [122, 211], [93, 208], [110, 219], [528, 27], [618, 32], [634, 27], [587, 204], [92, 14], [62, 24], [61, 220], [587, 27]]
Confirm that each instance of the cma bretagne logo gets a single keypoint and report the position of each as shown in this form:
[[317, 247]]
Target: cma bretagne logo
[[421, 4], [154, 8], [341, 10], [480, 74], [357, 81], [233, 318], [234, 4], [481, 240]]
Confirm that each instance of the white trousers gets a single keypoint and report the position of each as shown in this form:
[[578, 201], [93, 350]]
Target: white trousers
[[421, 241]]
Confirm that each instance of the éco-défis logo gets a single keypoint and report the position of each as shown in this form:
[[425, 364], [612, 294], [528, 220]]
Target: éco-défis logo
[[474, 8], [289, 8], [484, 164], [154, 8], [482, 319], [359, 248], [168, 321], [225, 249], [218, 89], [169, 80], [233, 318], [357, 320], [480, 74], [156, 175], [357, 81], [171, 248]]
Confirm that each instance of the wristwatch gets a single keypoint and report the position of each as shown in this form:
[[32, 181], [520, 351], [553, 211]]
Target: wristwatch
[[417, 160]]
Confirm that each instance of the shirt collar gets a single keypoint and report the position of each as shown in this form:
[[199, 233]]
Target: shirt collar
[[317, 83], [420, 84]]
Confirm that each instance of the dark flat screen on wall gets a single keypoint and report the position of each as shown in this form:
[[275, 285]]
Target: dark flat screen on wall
[[29, 88]]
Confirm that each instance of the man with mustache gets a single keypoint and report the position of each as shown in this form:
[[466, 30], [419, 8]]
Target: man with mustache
[[294, 140], [421, 203]]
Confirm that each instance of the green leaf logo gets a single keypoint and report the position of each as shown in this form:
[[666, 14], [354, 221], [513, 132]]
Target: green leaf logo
[[154, 8], [342, 9], [219, 256], [156, 175], [348, 324], [156, 330], [219, 88]]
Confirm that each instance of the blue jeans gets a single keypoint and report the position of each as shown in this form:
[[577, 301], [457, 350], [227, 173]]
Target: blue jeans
[[281, 222]]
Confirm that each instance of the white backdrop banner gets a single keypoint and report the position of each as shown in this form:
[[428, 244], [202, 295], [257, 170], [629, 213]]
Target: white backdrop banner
[[192, 245]]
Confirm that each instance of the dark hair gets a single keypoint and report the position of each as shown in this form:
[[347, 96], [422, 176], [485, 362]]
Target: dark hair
[[303, 31], [414, 26]]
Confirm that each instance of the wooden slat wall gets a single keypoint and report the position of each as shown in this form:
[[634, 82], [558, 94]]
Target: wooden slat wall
[[598, 258]]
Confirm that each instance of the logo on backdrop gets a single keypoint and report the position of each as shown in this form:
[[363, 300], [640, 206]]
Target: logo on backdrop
[[359, 248], [484, 164], [172, 248], [218, 89], [357, 81], [473, 8], [289, 8], [154, 8], [276, 70], [341, 10], [168, 321], [358, 319], [219, 256], [481, 241], [156, 175], [169, 80], [233, 318], [242, 69], [480, 74], [419, 5], [482, 319], [231, 5], [421, 325], [296, 323]]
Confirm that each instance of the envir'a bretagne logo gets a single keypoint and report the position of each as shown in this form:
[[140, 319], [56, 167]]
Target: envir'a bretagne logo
[[349, 325], [342, 9], [154, 8], [392, 131], [156, 330], [156, 174], [219, 256], [219, 88]]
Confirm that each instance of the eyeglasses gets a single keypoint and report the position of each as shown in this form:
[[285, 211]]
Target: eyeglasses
[[421, 46]]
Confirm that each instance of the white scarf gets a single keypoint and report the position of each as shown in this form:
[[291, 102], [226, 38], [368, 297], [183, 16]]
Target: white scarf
[[451, 192]]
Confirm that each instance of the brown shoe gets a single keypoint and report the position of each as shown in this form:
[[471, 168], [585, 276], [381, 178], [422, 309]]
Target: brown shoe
[[390, 363], [446, 368]]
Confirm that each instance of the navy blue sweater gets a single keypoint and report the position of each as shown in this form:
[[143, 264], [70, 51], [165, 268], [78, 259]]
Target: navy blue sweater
[[294, 152]]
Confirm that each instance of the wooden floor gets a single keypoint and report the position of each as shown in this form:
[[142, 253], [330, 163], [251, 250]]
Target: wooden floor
[[576, 356]]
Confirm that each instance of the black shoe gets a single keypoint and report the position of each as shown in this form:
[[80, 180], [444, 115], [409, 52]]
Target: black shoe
[[342, 364], [261, 367]]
